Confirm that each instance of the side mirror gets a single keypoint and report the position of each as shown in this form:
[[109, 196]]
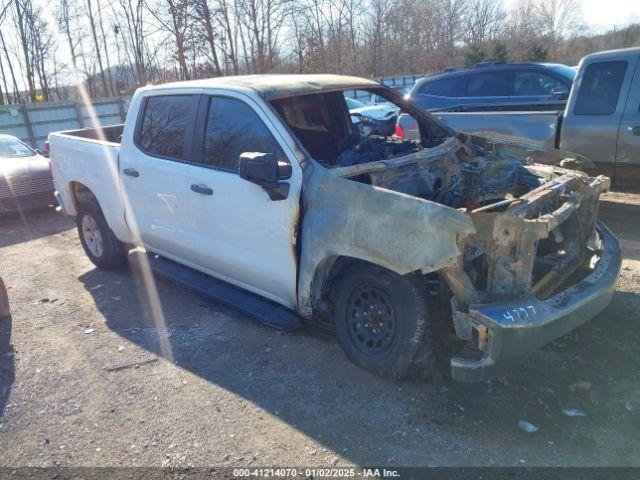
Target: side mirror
[[266, 170], [560, 91], [44, 153]]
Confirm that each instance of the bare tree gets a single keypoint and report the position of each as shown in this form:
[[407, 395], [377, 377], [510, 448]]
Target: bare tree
[[130, 29], [16, 90], [207, 31], [94, 35], [173, 17], [105, 45], [21, 22], [558, 18]]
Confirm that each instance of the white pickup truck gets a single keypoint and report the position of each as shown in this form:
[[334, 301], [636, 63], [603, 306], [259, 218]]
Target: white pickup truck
[[264, 185]]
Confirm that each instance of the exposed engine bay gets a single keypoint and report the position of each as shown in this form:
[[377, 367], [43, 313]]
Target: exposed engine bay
[[535, 224]]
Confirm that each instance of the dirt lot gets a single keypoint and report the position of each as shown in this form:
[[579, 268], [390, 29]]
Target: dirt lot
[[87, 378]]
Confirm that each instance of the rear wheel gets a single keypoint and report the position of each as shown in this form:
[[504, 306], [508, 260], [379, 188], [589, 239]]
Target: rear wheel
[[99, 243], [381, 319]]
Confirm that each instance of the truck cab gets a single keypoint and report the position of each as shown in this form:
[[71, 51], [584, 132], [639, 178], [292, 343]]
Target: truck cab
[[602, 118]]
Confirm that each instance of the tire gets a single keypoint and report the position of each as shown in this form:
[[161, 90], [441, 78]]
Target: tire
[[100, 244], [381, 319]]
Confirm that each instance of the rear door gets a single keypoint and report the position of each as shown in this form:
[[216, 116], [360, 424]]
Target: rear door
[[154, 172], [486, 88], [595, 108], [627, 169], [237, 233]]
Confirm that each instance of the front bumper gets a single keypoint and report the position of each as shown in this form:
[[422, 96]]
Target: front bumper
[[513, 330]]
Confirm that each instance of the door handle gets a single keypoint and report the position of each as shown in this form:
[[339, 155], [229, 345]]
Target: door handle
[[201, 188], [131, 172], [634, 129]]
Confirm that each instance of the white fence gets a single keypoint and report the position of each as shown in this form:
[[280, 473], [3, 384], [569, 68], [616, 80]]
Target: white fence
[[33, 122]]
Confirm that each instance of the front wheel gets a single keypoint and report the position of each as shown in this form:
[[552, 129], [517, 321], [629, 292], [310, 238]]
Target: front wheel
[[381, 319], [99, 243]]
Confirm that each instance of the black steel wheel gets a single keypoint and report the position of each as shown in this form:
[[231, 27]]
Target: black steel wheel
[[380, 318], [372, 321]]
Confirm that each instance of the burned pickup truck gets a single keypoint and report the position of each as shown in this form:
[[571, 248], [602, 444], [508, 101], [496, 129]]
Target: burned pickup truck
[[265, 183]]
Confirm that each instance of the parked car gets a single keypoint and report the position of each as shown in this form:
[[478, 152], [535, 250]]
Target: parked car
[[25, 177], [378, 119], [539, 85], [376, 99], [261, 181], [601, 120]]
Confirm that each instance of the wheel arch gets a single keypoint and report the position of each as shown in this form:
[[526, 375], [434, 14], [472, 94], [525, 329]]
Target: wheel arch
[[80, 193], [112, 211], [327, 270]]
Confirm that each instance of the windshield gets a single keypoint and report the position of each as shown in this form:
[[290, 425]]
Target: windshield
[[567, 72], [11, 147], [322, 123], [353, 103]]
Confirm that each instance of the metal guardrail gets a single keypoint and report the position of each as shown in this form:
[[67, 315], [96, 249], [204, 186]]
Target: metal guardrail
[[33, 122]]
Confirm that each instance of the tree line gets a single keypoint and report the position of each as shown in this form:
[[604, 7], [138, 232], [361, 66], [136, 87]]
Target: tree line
[[102, 48]]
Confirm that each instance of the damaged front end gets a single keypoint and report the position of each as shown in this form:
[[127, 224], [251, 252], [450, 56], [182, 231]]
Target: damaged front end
[[537, 267], [538, 263], [512, 234]]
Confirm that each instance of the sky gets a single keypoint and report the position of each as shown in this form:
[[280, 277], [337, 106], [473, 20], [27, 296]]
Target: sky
[[603, 15], [606, 14]]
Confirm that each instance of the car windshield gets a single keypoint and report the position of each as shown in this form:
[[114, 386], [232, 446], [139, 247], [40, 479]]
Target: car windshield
[[567, 72], [353, 103], [13, 148]]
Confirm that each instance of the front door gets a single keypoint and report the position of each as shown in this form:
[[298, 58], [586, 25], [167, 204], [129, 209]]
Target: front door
[[486, 88], [237, 232], [628, 152], [154, 173]]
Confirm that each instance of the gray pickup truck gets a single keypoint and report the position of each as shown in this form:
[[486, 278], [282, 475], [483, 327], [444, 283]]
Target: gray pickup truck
[[601, 120]]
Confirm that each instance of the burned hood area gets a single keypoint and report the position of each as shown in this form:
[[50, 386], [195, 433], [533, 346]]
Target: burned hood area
[[527, 228]]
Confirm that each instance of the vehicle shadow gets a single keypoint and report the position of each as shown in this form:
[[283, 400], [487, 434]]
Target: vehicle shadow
[[7, 362], [307, 382], [27, 226], [620, 217]]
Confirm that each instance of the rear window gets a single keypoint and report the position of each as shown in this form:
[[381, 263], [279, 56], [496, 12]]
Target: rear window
[[600, 88], [444, 87], [164, 124], [488, 84]]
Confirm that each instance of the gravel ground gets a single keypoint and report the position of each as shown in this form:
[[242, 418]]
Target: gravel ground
[[88, 378]]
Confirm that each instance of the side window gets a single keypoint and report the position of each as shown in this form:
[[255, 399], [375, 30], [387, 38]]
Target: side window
[[164, 123], [445, 87], [600, 88], [233, 128], [526, 83], [488, 84]]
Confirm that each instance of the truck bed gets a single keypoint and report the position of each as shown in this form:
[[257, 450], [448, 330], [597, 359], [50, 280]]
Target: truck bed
[[89, 157], [538, 127], [108, 133]]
